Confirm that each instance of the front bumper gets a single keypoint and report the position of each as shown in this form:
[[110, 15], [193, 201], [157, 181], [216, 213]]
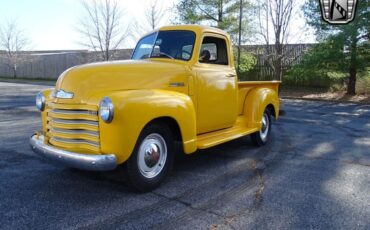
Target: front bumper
[[75, 160]]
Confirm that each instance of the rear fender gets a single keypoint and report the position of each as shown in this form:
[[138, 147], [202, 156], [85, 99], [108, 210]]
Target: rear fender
[[255, 104]]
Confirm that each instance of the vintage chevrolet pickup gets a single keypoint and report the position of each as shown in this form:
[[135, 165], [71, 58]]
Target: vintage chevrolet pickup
[[179, 92]]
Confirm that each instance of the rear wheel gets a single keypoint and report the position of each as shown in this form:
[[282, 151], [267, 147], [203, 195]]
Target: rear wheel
[[152, 158], [261, 137]]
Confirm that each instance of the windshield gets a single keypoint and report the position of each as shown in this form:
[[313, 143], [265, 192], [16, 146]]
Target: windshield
[[172, 44]]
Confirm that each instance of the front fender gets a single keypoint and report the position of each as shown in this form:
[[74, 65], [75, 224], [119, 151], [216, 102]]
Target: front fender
[[255, 104], [134, 109]]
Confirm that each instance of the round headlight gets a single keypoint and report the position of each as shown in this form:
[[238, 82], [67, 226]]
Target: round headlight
[[106, 110], [40, 101]]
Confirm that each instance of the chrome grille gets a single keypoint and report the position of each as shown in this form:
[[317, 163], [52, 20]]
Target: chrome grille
[[75, 131], [75, 122], [71, 128], [74, 141]]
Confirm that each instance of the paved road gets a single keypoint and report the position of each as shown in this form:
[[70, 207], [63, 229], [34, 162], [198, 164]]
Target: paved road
[[314, 174]]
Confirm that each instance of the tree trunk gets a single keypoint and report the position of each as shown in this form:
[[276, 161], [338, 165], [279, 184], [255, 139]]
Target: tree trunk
[[278, 69], [351, 89], [14, 72], [278, 61], [106, 55], [240, 35]]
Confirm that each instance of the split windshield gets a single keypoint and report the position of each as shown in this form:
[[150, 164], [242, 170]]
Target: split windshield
[[172, 44]]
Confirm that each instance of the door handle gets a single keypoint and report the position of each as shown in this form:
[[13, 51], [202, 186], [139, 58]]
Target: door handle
[[231, 75]]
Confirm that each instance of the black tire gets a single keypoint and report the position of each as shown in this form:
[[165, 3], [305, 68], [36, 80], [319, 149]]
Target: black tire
[[144, 152], [262, 136]]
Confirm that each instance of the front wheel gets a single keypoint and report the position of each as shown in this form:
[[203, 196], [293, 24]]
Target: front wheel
[[261, 137], [152, 158]]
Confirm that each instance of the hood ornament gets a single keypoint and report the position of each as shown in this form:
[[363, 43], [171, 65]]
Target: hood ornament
[[62, 94]]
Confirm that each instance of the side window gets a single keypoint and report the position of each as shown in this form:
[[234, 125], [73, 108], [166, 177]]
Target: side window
[[214, 51], [186, 52]]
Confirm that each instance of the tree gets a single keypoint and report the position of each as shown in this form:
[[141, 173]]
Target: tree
[[353, 38], [222, 14], [154, 14], [247, 62], [13, 41], [102, 28], [240, 31], [274, 19], [322, 65]]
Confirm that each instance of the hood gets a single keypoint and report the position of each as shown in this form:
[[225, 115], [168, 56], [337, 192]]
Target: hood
[[86, 80]]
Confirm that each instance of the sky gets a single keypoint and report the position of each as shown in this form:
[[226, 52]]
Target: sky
[[51, 24]]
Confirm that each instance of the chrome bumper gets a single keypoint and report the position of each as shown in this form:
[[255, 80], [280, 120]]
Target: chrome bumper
[[71, 159]]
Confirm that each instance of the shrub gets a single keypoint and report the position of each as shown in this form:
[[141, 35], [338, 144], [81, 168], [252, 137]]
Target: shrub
[[247, 63]]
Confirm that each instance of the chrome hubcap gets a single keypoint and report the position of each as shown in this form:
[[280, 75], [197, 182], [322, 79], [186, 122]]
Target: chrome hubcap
[[152, 155], [265, 127]]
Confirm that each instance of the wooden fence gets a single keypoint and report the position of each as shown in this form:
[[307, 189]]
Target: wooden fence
[[50, 64], [293, 54]]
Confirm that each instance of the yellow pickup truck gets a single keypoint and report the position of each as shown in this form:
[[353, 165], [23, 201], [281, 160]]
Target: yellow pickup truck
[[179, 92]]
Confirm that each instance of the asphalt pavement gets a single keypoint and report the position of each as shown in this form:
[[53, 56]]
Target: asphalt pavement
[[314, 174]]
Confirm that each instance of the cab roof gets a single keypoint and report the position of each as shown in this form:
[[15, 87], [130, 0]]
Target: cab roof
[[198, 29]]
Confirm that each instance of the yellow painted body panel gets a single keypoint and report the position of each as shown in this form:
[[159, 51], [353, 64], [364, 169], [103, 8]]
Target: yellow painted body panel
[[134, 109], [259, 96], [217, 93], [88, 80], [208, 105], [239, 129]]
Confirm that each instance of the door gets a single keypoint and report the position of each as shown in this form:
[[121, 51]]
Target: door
[[216, 85]]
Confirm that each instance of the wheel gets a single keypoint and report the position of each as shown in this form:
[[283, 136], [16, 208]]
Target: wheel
[[261, 137], [152, 158]]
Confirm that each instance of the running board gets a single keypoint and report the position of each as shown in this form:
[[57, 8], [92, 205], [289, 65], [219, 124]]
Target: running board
[[211, 139]]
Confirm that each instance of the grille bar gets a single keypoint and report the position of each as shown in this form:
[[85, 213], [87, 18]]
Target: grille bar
[[73, 134], [74, 141], [75, 131], [73, 114], [72, 107], [73, 127], [75, 122], [85, 112]]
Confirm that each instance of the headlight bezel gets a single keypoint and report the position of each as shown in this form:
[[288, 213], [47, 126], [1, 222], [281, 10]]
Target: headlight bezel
[[40, 101], [106, 110]]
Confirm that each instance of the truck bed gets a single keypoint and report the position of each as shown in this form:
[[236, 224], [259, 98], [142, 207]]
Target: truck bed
[[246, 86]]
